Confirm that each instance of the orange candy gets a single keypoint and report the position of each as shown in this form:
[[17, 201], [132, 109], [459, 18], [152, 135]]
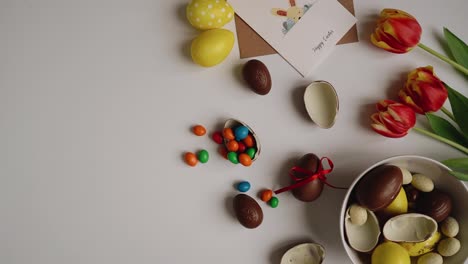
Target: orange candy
[[232, 146], [191, 159], [199, 130], [266, 195], [228, 134], [223, 151], [249, 141], [245, 159]]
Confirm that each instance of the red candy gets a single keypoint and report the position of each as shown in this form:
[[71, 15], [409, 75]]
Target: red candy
[[223, 151], [217, 137], [241, 148]]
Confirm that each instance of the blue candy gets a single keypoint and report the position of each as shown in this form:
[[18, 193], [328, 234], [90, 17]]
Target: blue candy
[[243, 186], [241, 132]]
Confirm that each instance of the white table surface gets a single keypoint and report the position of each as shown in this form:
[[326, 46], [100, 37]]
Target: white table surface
[[97, 98]]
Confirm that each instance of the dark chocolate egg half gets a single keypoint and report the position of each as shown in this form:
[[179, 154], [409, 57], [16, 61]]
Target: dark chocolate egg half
[[312, 190], [379, 187], [248, 211], [435, 204]]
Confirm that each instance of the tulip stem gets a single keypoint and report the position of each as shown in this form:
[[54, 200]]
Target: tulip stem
[[442, 139], [448, 113], [444, 58]]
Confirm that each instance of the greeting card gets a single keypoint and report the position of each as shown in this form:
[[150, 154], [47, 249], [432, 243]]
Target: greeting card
[[303, 32]]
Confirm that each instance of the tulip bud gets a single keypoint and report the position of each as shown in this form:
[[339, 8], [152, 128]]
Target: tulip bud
[[396, 31], [423, 91], [393, 119]]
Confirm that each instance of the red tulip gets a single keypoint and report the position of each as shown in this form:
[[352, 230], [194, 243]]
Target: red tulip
[[393, 119], [423, 91], [396, 31]]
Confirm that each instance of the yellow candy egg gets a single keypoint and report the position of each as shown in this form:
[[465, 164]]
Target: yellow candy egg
[[209, 14], [390, 253], [398, 206], [211, 47]]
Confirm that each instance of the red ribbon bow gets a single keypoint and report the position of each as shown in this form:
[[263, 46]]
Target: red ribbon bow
[[309, 176]]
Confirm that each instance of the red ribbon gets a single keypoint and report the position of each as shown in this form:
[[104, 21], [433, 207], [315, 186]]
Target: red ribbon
[[309, 176]]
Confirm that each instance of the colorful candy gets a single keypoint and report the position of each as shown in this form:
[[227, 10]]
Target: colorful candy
[[249, 141], [251, 152], [266, 195], [241, 132], [274, 201], [217, 137], [228, 134], [223, 151], [232, 157], [191, 159], [232, 146], [199, 130], [203, 156], [241, 148], [245, 159], [243, 186]]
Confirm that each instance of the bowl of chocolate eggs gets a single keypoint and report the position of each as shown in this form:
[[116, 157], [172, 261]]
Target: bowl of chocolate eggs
[[404, 210]]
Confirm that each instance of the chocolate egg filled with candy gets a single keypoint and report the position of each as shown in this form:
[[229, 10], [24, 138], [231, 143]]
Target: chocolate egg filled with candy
[[311, 190]]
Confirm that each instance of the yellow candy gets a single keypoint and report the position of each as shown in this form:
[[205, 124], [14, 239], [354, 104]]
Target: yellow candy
[[211, 47], [399, 205], [390, 253], [209, 14], [419, 248]]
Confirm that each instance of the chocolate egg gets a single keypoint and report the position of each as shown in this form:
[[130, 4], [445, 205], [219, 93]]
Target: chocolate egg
[[257, 76], [379, 187], [312, 190], [247, 210], [435, 204]]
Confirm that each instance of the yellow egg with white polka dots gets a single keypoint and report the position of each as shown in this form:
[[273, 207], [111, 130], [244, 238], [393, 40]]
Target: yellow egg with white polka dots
[[209, 14]]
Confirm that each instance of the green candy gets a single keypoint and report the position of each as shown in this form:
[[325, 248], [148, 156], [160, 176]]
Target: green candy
[[232, 157], [203, 156], [273, 202], [250, 152]]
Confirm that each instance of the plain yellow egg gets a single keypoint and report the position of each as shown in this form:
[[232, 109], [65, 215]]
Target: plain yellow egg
[[211, 47], [390, 253]]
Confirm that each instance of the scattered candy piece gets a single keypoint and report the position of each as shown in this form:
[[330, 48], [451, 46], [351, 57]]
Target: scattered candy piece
[[223, 151], [232, 157], [243, 186], [232, 146], [249, 141], [203, 156], [241, 148], [245, 159], [199, 130], [274, 202], [217, 137], [190, 159], [266, 195], [241, 132], [228, 134], [251, 152]]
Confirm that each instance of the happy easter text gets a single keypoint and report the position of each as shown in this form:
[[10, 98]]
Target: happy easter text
[[324, 39]]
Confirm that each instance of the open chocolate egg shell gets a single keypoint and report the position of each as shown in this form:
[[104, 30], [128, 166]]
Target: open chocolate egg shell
[[232, 123], [308, 253]]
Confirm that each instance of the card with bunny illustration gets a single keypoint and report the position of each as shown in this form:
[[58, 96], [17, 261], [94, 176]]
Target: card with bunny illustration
[[303, 32]]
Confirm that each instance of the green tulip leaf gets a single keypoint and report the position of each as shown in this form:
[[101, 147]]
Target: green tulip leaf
[[445, 129], [460, 164], [458, 48], [459, 105], [460, 175]]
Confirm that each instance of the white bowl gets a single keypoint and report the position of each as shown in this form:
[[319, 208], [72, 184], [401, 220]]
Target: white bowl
[[442, 180]]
